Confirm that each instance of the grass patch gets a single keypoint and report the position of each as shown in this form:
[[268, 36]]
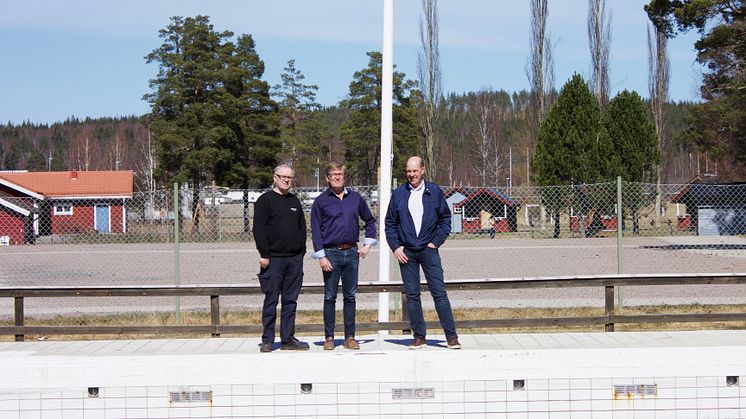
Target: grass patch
[[316, 317]]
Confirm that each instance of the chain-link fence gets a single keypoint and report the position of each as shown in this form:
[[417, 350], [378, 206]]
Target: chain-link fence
[[496, 233]]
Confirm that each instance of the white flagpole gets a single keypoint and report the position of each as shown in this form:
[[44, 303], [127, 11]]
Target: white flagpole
[[384, 183]]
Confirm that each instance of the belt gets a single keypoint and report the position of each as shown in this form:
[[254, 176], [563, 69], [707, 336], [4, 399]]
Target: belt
[[344, 246]]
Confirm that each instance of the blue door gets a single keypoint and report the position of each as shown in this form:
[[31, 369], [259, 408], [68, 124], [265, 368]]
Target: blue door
[[102, 218]]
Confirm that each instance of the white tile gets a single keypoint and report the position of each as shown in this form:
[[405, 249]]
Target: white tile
[[686, 404], [137, 413], [708, 414], [326, 399], [707, 403], [559, 406], [476, 385], [432, 408], [347, 398], [116, 413], [516, 406], [242, 400], [284, 410], [580, 394], [29, 414], [453, 397], [411, 409], [474, 396], [686, 382], [282, 389], [474, 407], [560, 414], [580, 384], [494, 385], [242, 411], [538, 406], [305, 410], [369, 398], [153, 413], [537, 384], [29, 404], [264, 400], [263, 389], [728, 403], [282, 399], [390, 409], [326, 410], [49, 404], [264, 410], [495, 407], [454, 407], [217, 411], [369, 409], [729, 413], [137, 391]]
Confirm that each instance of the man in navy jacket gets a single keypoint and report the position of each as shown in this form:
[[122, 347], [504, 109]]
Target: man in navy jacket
[[418, 222]]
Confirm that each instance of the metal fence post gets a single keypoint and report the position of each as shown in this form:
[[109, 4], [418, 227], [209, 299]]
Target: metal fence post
[[177, 271]]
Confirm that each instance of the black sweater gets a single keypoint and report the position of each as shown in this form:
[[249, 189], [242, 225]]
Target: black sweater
[[279, 225]]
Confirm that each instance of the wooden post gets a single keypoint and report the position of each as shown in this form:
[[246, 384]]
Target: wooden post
[[215, 313], [405, 312], [19, 317], [609, 307]]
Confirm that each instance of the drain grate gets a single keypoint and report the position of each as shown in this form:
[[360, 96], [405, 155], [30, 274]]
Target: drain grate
[[632, 390], [412, 393], [189, 396]]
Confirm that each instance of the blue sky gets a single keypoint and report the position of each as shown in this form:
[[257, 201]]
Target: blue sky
[[85, 58]]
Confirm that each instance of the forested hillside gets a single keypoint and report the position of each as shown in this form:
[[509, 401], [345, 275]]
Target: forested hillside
[[479, 133]]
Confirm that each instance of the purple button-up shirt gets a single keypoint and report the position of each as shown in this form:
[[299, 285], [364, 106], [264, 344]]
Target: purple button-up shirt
[[334, 221]]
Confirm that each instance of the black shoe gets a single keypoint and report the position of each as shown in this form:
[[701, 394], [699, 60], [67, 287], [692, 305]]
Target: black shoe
[[294, 345], [265, 347]]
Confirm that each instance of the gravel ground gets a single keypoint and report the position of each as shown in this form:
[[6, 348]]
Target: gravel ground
[[236, 263]]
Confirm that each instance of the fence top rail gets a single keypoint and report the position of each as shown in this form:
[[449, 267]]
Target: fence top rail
[[378, 286]]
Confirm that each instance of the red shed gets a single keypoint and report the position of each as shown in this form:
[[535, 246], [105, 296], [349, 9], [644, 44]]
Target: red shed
[[70, 202]]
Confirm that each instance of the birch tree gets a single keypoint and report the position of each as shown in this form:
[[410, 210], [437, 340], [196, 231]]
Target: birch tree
[[599, 42], [428, 67]]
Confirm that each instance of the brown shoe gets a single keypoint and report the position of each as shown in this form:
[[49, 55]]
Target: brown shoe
[[329, 344], [453, 343], [418, 343], [351, 343]]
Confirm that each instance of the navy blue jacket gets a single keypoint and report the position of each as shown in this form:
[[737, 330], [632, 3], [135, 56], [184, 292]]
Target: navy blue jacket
[[436, 219]]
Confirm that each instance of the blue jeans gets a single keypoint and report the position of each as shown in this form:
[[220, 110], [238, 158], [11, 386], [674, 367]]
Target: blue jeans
[[282, 279], [429, 259], [345, 265]]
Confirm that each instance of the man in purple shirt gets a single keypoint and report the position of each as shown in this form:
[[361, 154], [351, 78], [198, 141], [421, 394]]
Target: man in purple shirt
[[335, 232]]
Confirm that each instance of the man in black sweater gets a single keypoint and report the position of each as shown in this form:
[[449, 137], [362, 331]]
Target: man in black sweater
[[280, 235]]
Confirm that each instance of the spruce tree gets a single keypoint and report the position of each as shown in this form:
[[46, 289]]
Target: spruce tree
[[568, 149]]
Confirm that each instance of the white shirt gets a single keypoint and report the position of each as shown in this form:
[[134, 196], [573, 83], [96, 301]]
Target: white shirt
[[415, 206]]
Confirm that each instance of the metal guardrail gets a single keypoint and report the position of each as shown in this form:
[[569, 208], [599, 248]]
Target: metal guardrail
[[214, 292]]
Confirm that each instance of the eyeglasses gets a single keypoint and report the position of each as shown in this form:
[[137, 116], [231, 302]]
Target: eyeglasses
[[283, 177], [335, 175]]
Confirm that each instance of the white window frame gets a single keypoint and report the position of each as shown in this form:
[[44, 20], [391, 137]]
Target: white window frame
[[62, 210]]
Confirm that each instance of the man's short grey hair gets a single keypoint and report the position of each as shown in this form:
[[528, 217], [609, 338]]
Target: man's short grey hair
[[283, 166]]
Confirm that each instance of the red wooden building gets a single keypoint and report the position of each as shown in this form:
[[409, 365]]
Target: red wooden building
[[44, 203]]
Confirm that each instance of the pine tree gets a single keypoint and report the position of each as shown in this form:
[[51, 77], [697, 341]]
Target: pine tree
[[362, 132], [568, 150], [302, 130], [629, 131]]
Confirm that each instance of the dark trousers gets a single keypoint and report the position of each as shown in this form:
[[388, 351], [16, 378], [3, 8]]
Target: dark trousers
[[345, 266], [429, 260], [282, 279]]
